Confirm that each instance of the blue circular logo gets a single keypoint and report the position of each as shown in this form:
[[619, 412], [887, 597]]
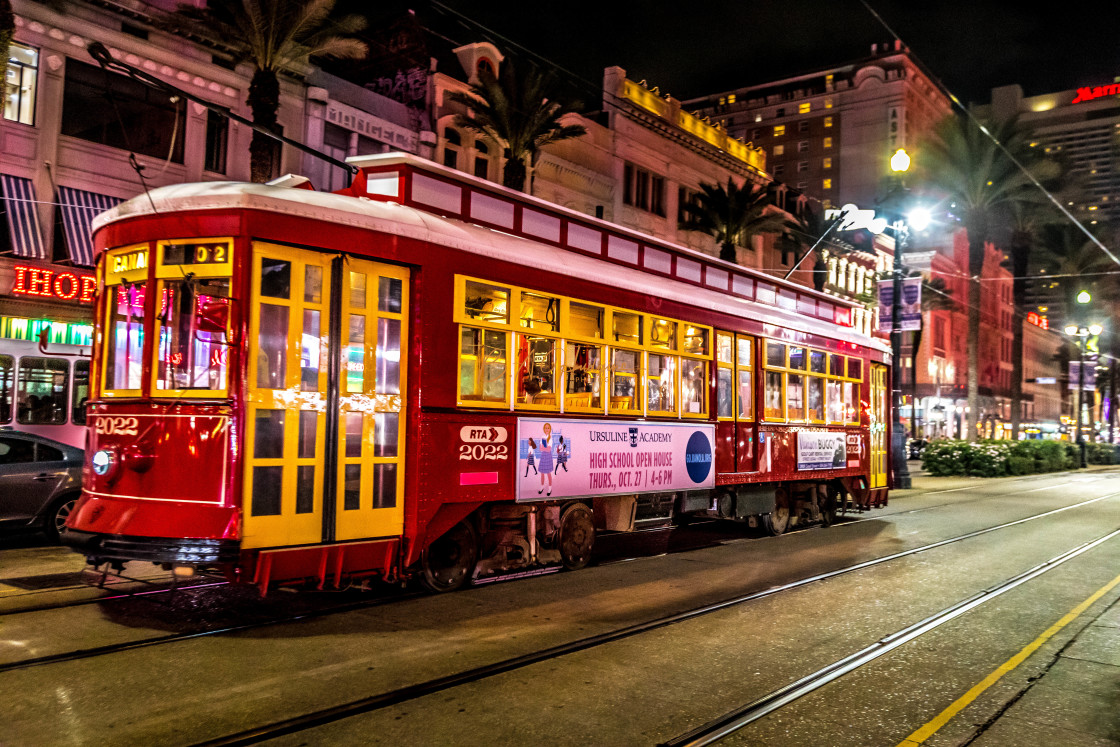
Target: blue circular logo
[[698, 457]]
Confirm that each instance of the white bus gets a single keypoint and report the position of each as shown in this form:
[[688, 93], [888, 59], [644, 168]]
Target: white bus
[[45, 393]]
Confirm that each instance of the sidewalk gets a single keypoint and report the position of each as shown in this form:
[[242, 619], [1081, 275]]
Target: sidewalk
[[1073, 697]]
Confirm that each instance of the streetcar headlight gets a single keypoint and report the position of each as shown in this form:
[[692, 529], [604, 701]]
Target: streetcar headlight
[[102, 462]]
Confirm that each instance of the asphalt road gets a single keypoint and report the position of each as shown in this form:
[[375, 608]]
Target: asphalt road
[[643, 688]]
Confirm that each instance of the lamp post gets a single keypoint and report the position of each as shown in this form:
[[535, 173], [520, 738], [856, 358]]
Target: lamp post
[[900, 162], [1081, 333]]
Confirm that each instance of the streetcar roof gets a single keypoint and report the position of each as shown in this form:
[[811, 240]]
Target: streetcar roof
[[393, 218]]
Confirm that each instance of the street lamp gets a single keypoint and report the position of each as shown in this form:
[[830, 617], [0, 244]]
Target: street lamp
[[900, 162], [1081, 334]]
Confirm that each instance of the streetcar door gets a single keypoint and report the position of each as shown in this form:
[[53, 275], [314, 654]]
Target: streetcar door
[[369, 483], [286, 397], [735, 429], [879, 414]]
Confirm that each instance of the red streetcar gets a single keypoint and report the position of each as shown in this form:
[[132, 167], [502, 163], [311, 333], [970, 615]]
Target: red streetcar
[[427, 375]]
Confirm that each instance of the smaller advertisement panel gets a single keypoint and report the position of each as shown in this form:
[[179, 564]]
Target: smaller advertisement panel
[[821, 450], [580, 458]]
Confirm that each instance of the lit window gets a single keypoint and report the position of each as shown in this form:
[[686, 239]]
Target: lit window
[[803, 108], [828, 121], [828, 142], [826, 163], [779, 150], [828, 184], [828, 103], [779, 130], [731, 98], [21, 79]]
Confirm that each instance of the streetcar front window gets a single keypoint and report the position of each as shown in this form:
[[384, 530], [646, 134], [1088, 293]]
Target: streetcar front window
[[124, 362], [193, 349]]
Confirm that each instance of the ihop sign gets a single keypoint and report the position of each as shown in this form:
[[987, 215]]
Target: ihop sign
[[51, 284]]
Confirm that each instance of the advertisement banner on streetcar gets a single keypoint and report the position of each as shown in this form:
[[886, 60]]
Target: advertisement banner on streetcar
[[821, 450], [577, 458]]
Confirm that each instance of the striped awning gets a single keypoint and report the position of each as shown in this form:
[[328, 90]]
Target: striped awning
[[21, 217], [78, 211]]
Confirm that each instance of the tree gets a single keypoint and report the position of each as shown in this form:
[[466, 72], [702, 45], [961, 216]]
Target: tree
[[978, 180], [522, 112], [277, 34], [733, 214]]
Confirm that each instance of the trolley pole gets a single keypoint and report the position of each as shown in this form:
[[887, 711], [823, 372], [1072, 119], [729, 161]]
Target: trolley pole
[[898, 433]]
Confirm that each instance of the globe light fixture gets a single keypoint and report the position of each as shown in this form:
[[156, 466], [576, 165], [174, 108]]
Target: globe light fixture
[[919, 219], [1084, 297], [1095, 329], [900, 161], [1071, 329]]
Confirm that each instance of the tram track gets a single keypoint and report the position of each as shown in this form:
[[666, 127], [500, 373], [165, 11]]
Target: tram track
[[582, 644], [730, 722], [114, 597], [437, 685]]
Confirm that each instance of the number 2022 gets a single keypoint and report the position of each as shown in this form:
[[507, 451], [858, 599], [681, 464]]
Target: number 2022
[[482, 451]]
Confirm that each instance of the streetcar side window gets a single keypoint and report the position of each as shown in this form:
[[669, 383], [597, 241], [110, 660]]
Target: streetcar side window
[[744, 366], [42, 391], [661, 384], [80, 393], [7, 384], [583, 377], [486, 303], [725, 376], [482, 365], [625, 387], [694, 386], [536, 370]]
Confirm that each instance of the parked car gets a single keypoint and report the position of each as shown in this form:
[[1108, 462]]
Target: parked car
[[915, 446], [40, 481]]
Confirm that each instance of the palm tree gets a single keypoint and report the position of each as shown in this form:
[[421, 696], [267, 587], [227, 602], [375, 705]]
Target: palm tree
[[978, 180], [733, 214], [277, 34], [520, 112]]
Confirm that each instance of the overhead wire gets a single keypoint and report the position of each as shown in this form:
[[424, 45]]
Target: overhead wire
[[987, 133]]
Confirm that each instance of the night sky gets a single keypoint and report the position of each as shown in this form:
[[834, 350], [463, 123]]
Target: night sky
[[690, 49]]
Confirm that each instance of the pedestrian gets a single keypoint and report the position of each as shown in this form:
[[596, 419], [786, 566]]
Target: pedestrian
[[529, 462]]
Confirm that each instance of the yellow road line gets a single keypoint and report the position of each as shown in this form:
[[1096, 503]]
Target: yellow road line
[[927, 731]]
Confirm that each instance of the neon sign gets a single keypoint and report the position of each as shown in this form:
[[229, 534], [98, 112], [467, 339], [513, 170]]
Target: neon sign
[[1038, 320], [62, 286], [1087, 93]]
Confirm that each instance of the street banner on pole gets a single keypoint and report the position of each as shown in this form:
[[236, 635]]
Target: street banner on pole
[[1090, 383], [910, 309]]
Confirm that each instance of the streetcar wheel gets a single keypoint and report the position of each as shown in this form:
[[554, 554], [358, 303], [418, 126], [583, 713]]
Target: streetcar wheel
[[448, 562], [577, 535], [777, 521]]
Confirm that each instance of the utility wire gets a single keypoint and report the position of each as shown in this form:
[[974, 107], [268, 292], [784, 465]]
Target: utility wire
[[952, 97]]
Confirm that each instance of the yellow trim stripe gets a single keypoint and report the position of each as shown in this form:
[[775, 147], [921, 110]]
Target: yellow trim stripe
[[921, 735]]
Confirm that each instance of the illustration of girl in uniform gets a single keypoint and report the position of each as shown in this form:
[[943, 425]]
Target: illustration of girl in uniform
[[561, 455], [545, 459], [529, 462]]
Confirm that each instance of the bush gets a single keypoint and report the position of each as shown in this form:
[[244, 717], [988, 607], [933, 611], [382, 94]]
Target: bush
[[947, 458], [1101, 454]]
